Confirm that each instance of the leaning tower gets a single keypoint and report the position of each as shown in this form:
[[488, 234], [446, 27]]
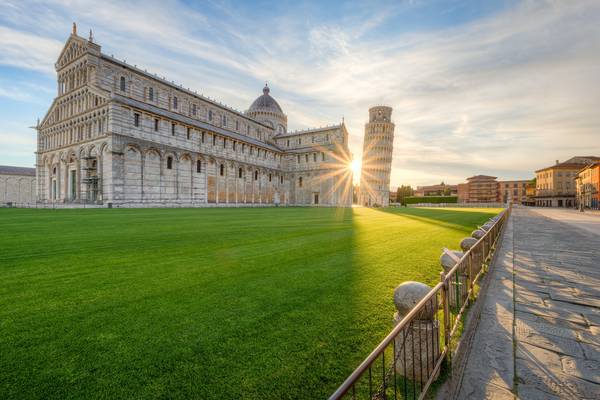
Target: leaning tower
[[377, 157]]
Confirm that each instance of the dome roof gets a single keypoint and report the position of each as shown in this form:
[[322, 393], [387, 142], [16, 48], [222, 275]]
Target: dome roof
[[265, 103]]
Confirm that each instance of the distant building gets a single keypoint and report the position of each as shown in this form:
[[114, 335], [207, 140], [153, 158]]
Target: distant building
[[555, 185], [486, 189], [377, 157], [437, 190], [530, 193], [479, 189], [588, 186], [515, 191], [17, 185]]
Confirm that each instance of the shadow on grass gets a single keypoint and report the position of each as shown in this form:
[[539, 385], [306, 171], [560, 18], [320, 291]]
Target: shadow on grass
[[211, 303]]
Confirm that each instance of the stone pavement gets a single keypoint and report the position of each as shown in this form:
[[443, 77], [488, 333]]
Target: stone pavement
[[539, 332]]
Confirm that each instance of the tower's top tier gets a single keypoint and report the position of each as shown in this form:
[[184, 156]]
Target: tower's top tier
[[380, 114]]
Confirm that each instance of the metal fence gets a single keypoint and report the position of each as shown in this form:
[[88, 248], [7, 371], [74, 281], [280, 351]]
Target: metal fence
[[410, 358]]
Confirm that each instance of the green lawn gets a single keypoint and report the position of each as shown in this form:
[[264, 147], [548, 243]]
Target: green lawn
[[205, 303]]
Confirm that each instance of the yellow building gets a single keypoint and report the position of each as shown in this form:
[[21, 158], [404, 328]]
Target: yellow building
[[555, 185], [588, 186], [530, 193]]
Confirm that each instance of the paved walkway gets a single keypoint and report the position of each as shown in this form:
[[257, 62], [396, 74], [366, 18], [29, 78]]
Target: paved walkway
[[539, 332]]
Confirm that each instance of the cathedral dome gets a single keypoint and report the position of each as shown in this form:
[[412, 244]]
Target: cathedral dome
[[265, 103], [266, 110]]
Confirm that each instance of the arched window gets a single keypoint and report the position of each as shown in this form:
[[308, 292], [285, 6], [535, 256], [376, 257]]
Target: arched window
[[255, 175], [315, 157], [194, 109], [224, 120], [210, 115], [300, 182], [269, 177], [169, 162], [175, 104], [151, 94], [239, 173], [322, 156], [199, 166], [281, 179], [222, 170], [122, 85]]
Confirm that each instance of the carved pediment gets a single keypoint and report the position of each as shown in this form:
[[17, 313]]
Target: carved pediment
[[74, 48], [52, 116]]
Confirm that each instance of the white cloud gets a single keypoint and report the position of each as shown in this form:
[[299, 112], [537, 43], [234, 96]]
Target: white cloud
[[26, 50], [503, 95]]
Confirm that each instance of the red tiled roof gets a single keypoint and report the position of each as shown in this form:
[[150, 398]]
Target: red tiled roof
[[482, 177]]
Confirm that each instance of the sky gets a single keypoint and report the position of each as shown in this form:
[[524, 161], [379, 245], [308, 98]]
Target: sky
[[477, 87]]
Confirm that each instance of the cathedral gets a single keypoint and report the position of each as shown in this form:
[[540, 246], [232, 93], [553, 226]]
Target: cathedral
[[116, 135]]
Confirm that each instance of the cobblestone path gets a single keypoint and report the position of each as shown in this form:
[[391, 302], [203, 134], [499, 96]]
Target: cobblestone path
[[539, 332]]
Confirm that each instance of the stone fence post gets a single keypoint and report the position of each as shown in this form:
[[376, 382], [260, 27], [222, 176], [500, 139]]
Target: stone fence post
[[457, 285], [417, 345]]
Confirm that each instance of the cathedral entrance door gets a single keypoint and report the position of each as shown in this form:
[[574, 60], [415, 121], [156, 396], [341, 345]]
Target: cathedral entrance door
[[73, 185]]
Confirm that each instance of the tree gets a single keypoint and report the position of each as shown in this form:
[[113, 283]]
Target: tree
[[402, 192]]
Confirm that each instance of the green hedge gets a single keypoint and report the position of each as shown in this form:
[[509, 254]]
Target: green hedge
[[430, 199]]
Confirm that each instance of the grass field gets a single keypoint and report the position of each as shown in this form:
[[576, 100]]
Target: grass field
[[205, 303]]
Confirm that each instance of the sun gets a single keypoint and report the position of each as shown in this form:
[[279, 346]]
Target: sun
[[354, 166]]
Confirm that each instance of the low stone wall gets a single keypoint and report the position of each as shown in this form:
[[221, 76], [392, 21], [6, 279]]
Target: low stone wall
[[460, 205], [161, 205]]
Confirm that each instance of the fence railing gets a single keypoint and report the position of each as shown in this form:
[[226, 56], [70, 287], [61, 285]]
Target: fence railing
[[409, 359]]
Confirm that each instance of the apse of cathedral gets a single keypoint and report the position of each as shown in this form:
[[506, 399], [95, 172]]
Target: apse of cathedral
[[118, 135]]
